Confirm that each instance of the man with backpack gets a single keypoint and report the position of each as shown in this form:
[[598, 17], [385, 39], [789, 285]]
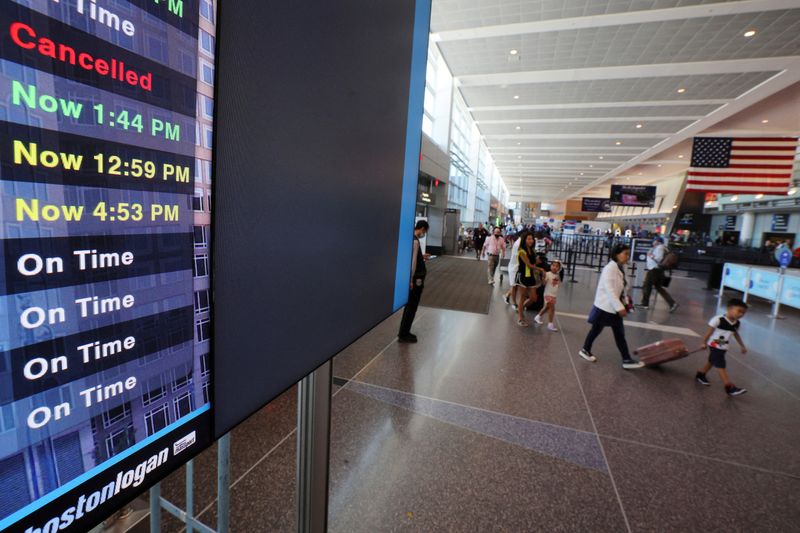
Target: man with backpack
[[659, 259]]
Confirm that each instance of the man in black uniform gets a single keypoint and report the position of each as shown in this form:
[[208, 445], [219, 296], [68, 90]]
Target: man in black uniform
[[478, 238], [415, 286]]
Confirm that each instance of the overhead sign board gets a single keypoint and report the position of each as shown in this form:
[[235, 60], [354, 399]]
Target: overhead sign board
[[596, 205], [633, 195]]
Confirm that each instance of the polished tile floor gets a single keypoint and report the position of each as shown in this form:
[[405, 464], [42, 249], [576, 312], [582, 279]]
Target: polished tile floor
[[487, 426]]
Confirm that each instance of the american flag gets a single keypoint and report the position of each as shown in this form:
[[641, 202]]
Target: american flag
[[742, 164]]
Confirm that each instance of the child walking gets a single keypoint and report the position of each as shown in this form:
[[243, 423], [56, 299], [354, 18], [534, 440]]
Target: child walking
[[552, 281], [720, 329]]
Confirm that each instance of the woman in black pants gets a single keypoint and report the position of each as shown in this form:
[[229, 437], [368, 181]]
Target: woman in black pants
[[610, 307]]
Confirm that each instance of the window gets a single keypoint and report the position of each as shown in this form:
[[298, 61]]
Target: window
[[183, 377], [205, 369], [207, 106], [208, 136], [201, 301], [209, 201], [207, 170], [155, 390], [157, 419], [197, 200], [207, 10], [206, 43], [198, 171], [200, 265], [203, 328], [206, 392], [206, 72], [7, 418], [200, 237], [183, 404], [120, 440], [112, 416]]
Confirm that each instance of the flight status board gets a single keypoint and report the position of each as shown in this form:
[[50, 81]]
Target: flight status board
[[106, 128]]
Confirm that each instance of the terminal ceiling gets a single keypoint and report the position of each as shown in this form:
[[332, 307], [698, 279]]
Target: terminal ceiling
[[570, 94]]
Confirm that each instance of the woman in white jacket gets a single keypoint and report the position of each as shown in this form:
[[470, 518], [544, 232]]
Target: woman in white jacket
[[610, 306]]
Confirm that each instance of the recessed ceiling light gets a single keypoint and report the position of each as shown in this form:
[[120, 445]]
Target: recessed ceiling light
[[749, 33], [519, 157], [734, 197], [765, 121], [617, 143], [680, 156], [628, 179], [640, 173], [792, 191], [582, 175], [601, 157], [591, 166], [759, 196], [516, 97], [638, 126], [675, 206], [518, 144], [659, 166], [681, 90], [513, 51], [518, 128]]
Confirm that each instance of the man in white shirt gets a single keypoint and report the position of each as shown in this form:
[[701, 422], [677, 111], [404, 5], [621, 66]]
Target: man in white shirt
[[494, 248], [655, 276]]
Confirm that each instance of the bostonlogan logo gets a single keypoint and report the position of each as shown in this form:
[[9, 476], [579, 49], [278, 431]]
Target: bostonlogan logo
[[87, 504]]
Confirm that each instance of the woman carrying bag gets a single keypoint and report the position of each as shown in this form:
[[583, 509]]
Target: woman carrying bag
[[611, 304]]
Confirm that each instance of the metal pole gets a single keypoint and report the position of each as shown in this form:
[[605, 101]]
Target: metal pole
[[313, 449], [189, 494], [155, 508], [776, 308], [747, 285], [223, 483]]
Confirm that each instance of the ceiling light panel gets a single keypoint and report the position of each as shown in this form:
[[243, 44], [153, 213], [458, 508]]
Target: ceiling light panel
[[674, 41], [582, 127], [722, 86], [622, 113], [457, 14]]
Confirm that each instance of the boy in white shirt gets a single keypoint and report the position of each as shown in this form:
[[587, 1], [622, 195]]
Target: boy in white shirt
[[720, 330], [552, 281]]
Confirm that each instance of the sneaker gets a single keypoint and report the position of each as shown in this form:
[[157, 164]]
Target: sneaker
[[631, 364], [514, 306], [552, 327], [407, 337], [643, 306], [522, 323], [733, 390], [673, 307], [538, 319], [588, 356], [491, 282], [701, 379], [507, 299]]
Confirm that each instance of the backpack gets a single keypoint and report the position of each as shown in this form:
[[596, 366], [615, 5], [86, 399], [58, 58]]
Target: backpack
[[670, 260]]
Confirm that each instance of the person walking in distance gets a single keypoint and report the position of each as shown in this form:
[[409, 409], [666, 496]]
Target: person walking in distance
[[416, 284], [610, 306], [478, 238], [529, 277], [552, 281], [494, 248], [655, 276], [513, 267]]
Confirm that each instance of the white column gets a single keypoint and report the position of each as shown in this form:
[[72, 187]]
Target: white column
[[746, 230]]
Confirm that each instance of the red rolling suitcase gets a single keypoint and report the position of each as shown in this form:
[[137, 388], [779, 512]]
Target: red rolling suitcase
[[663, 352]]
